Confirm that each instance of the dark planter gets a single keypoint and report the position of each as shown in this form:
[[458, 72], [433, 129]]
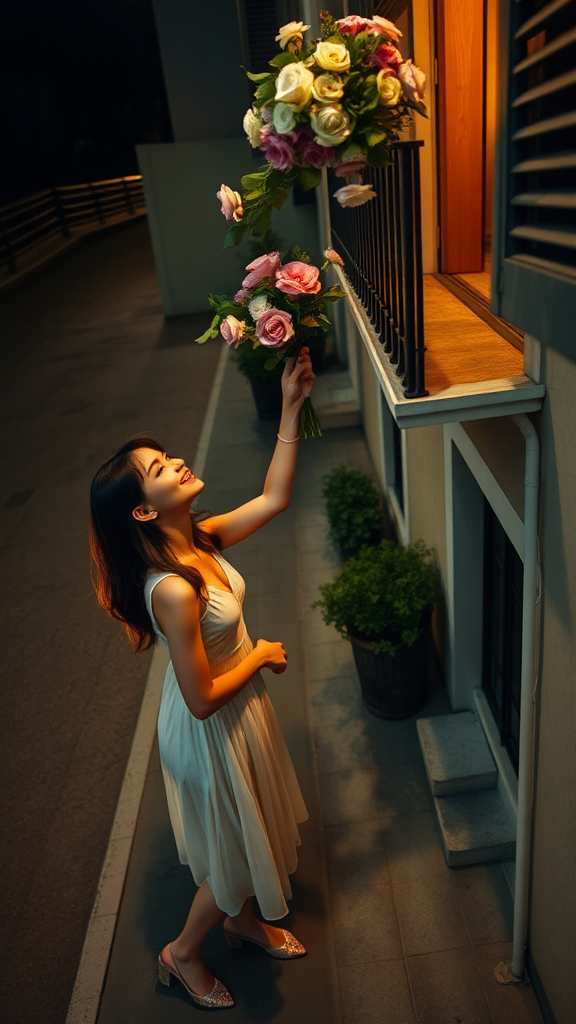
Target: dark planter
[[394, 687], [317, 346], [268, 397]]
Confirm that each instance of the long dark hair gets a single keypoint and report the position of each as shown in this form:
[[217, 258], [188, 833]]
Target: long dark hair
[[123, 550]]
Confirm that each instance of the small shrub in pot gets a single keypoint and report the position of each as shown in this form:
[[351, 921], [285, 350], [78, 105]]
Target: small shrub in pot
[[353, 508], [381, 601]]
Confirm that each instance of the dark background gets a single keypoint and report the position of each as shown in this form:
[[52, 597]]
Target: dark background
[[81, 83]]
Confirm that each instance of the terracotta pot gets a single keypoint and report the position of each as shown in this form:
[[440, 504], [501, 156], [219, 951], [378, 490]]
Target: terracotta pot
[[394, 687]]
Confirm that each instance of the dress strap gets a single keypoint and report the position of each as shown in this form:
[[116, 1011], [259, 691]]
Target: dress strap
[[151, 582]]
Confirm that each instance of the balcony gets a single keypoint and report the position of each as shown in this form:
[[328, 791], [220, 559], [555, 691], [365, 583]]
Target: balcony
[[436, 360]]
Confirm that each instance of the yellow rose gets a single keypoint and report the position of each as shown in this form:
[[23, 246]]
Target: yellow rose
[[332, 56], [291, 33], [294, 86], [389, 88], [331, 124], [327, 87]]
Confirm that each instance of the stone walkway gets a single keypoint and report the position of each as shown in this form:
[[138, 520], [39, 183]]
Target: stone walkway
[[393, 935]]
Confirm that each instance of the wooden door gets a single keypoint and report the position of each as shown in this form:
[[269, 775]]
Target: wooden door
[[460, 44]]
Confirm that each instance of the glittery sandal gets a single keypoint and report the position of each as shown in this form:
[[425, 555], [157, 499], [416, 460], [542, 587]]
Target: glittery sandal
[[218, 999], [289, 949]]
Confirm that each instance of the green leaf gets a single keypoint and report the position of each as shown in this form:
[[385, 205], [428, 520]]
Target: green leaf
[[260, 77], [234, 234], [282, 59], [279, 197], [212, 331], [271, 363], [420, 107], [266, 90], [379, 156], [259, 223], [254, 180], [374, 137], [333, 294], [309, 178]]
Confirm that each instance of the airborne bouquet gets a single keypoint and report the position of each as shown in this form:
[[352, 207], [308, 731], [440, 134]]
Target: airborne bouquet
[[280, 305], [339, 101]]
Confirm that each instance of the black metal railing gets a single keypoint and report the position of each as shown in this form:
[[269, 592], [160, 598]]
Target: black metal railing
[[381, 245], [31, 222]]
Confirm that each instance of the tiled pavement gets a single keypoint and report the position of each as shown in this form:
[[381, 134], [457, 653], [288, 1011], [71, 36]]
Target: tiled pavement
[[393, 935]]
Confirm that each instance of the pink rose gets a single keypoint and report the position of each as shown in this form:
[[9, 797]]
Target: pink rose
[[298, 278], [241, 296], [308, 149], [347, 168], [333, 257], [231, 203], [277, 149], [386, 28], [274, 328], [386, 56], [232, 330], [264, 266], [413, 81], [353, 24]]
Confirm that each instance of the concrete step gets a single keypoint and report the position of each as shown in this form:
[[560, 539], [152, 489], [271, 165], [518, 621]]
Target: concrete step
[[456, 754], [334, 399], [475, 828]]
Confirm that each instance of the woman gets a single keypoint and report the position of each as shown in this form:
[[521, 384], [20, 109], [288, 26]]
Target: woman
[[233, 797]]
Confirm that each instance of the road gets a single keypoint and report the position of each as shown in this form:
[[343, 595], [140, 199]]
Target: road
[[87, 360]]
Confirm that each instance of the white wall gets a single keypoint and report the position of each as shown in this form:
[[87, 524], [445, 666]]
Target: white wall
[[187, 227]]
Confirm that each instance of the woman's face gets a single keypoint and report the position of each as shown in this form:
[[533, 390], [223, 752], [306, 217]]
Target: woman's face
[[167, 482]]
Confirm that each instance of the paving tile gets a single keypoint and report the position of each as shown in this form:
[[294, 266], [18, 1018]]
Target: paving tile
[[447, 988], [341, 741], [413, 848], [393, 742], [486, 902], [330, 660], [509, 1004], [376, 993], [403, 789], [340, 691], [348, 796], [365, 925], [430, 916], [356, 855]]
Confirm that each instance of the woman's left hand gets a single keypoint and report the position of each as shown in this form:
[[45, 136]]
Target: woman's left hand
[[298, 379]]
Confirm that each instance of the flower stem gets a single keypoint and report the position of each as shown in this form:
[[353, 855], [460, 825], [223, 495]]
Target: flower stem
[[309, 425]]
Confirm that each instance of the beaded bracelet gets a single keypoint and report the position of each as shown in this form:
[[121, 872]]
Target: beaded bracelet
[[288, 442]]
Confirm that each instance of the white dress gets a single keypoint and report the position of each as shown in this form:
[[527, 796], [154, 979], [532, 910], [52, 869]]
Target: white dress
[[233, 796]]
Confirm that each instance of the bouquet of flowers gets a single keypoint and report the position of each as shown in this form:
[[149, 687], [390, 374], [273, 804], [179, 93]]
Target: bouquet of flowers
[[280, 305], [339, 101]]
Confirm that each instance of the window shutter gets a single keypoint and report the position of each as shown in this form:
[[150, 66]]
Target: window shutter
[[534, 266]]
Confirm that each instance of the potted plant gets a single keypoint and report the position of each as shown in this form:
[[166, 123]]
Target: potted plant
[[354, 509], [382, 601], [265, 384]]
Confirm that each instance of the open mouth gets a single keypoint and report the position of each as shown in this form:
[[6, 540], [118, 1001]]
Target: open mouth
[[187, 477]]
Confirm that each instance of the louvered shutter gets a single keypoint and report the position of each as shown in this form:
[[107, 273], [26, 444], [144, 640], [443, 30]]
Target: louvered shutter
[[534, 258]]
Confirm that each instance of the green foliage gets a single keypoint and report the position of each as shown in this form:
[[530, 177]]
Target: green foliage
[[309, 178], [282, 59], [234, 234], [212, 331], [383, 595], [353, 508], [252, 362]]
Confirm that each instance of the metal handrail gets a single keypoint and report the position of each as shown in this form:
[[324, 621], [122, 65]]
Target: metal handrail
[[29, 222], [381, 245]]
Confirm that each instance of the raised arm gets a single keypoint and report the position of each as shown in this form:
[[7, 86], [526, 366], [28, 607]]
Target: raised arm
[[232, 527], [177, 609]]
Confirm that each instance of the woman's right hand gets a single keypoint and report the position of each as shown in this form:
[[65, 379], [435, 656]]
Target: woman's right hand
[[273, 656]]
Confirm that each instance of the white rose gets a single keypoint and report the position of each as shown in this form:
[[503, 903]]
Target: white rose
[[413, 81], [332, 56], [294, 86], [258, 306], [284, 118], [327, 87], [253, 127], [292, 32], [331, 124], [354, 195], [389, 88]]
